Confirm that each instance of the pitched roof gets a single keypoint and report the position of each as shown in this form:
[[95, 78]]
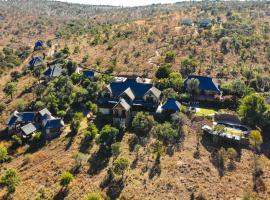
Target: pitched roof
[[171, 105], [38, 44], [44, 111], [206, 83], [28, 129], [20, 117], [53, 71], [35, 61], [54, 123], [123, 103], [129, 93], [155, 91], [139, 89], [89, 73]]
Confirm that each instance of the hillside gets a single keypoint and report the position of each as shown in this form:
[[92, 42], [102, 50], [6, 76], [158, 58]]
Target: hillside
[[165, 43]]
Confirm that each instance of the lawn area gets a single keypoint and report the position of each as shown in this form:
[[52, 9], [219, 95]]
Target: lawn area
[[205, 111], [234, 132]]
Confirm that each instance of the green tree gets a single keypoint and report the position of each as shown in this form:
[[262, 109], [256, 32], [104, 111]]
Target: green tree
[[188, 66], [232, 154], [251, 110], [169, 57], [108, 136], [91, 132], [94, 196], [120, 165], [3, 154], [165, 133], [143, 123], [66, 178], [10, 88], [164, 71], [255, 139], [10, 180], [193, 86], [116, 149], [16, 141]]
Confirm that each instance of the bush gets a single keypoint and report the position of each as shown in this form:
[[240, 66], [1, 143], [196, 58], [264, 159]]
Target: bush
[[94, 196], [3, 155], [164, 71], [10, 180], [66, 178], [91, 132], [165, 132], [108, 136], [16, 141], [143, 123], [120, 165]]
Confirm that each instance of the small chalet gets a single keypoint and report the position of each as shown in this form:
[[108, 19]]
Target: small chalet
[[53, 71], [122, 99], [204, 23], [89, 74], [35, 61], [25, 124], [39, 45], [169, 107], [207, 85], [19, 119]]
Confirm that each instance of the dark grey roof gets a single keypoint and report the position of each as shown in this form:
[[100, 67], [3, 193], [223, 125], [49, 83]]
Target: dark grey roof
[[53, 71], [35, 61], [171, 105], [28, 129], [20, 117], [206, 83], [123, 103], [139, 89], [54, 123]]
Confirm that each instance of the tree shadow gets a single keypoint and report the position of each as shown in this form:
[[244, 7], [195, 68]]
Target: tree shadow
[[85, 145], [213, 148], [61, 194], [134, 163], [132, 142], [115, 188], [71, 137], [98, 161], [155, 169]]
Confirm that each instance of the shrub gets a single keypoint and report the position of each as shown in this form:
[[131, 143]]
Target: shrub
[[10, 180], [91, 132], [3, 155], [252, 109], [16, 141], [108, 136], [165, 132], [66, 178], [120, 165], [164, 71], [143, 123], [169, 57], [94, 196]]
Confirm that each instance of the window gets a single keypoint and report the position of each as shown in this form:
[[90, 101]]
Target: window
[[123, 113]]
